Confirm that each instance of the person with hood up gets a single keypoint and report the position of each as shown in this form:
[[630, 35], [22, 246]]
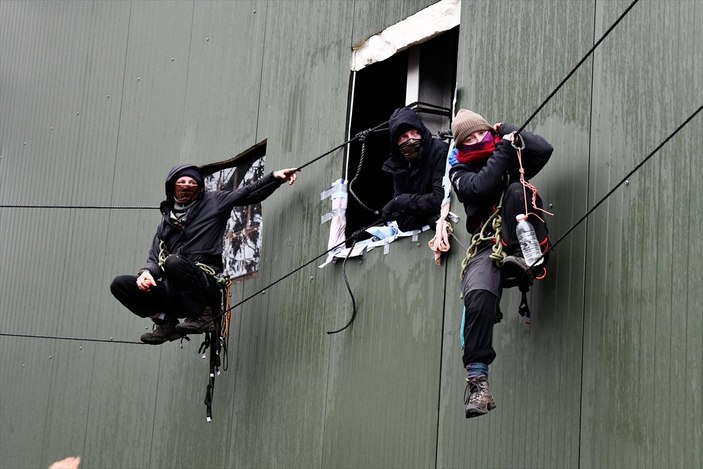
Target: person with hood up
[[417, 162], [178, 279], [484, 168]]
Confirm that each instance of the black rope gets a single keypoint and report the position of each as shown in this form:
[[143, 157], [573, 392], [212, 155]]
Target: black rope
[[622, 181], [362, 138], [360, 231], [78, 339], [316, 159], [123, 207], [341, 145], [544, 103], [84, 207], [354, 236], [351, 294]]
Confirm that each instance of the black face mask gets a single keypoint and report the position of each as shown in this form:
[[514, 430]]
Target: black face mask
[[410, 149]]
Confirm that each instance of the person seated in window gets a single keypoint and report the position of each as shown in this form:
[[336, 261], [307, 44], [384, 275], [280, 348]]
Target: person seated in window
[[178, 279], [485, 171], [417, 162]]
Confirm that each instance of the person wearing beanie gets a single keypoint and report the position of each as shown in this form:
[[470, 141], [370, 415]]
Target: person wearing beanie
[[417, 163], [484, 168], [178, 279]]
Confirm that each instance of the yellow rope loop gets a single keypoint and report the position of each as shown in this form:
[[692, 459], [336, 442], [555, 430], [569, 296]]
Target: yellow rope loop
[[495, 222], [497, 253], [162, 253], [207, 269]]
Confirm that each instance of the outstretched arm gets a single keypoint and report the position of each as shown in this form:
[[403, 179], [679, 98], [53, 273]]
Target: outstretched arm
[[289, 174], [256, 191]]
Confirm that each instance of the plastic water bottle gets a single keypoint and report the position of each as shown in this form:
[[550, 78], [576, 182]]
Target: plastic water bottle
[[527, 238]]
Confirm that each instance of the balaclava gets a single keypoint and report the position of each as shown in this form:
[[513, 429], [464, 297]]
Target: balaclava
[[410, 149], [477, 152], [185, 194]]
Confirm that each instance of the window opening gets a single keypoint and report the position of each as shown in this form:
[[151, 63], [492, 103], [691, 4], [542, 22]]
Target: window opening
[[423, 75], [241, 248]]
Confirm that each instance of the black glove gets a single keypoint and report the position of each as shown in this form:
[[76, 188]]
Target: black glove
[[389, 212]]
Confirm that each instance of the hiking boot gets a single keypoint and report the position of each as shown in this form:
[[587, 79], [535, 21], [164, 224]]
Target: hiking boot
[[477, 397], [516, 272], [198, 325], [166, 331]]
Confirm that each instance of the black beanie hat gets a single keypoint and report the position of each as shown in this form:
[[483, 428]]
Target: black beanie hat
[[190, 171]]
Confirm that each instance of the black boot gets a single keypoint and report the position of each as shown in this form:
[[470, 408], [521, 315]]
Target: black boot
[[516, 272], [199, 324], [166, 331]]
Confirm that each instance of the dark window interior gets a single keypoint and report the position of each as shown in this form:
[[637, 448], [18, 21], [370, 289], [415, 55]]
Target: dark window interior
[[379, 90]]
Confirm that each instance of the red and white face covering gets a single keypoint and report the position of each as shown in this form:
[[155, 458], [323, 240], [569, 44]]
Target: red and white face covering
[[477, 152], [186, 190]]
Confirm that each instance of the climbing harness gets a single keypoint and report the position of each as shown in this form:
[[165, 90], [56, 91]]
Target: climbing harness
[[217, 341], [207, 269], [163, 254], [490, 232], [526, 184]]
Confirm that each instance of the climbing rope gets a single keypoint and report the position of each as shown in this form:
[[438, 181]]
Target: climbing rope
[[226, 311], [576, 67], [497, 252], [351, 294], [353, 237], [78, 339], [622, 181], [525, 183], [357, 233], [81, 207], [362, 136], [495, 223]]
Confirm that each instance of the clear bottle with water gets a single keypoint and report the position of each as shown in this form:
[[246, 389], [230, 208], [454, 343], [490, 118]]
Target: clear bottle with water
[[527, 238]]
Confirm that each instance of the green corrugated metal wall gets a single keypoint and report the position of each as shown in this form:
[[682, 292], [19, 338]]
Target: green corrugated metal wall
[[98, 100]]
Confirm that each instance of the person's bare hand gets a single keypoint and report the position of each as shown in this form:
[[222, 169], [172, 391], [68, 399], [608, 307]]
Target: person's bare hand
[[145, 281], [288, 174], [68, 463]]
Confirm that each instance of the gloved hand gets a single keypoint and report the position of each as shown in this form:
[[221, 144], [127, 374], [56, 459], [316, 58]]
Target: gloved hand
[[452, 158], [389, 212]]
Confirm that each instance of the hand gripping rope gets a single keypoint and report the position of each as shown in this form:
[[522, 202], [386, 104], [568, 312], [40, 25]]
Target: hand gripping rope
[[491, 229]]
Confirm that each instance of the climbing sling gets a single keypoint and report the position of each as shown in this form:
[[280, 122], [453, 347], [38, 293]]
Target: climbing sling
[[491, 232], [217, 341]]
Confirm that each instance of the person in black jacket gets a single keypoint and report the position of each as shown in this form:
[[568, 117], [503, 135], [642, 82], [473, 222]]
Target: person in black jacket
[[178, 279], [417, 162], [484, 167]]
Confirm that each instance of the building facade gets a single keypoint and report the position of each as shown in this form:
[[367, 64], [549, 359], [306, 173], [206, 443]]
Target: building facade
[[100, 98]]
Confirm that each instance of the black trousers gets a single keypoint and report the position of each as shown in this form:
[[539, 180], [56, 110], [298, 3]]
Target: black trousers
[[184, 290]]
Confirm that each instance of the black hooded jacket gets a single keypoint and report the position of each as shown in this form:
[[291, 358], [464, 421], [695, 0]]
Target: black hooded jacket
[[200, 240], [479, 186], [417, 185]]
